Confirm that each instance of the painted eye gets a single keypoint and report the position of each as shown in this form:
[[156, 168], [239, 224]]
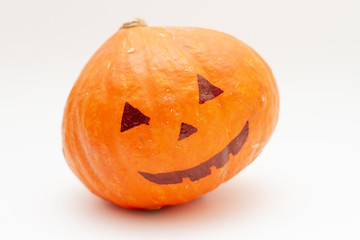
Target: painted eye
[[132, 117], [207, 91]]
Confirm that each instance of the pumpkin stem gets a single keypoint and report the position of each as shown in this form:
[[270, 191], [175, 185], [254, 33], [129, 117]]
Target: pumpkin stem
[[134, 23]]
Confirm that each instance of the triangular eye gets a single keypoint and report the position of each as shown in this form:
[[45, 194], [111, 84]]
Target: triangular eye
[[132, 117], [186, 130], [207, 91]]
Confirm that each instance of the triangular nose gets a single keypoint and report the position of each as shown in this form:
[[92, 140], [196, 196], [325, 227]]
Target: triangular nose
[[186, 130]]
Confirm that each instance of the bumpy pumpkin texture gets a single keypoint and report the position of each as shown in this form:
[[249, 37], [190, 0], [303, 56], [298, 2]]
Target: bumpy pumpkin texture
[[162, 115]]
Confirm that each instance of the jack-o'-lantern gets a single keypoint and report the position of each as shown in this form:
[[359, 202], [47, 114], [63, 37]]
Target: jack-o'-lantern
[[162, 115]]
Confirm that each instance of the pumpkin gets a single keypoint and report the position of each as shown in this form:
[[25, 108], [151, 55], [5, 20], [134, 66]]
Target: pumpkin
[[162, 115]]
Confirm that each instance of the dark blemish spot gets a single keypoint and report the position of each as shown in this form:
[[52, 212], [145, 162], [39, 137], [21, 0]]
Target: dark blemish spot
[[132, 117], [203, 169], [141, 138], [186, 130], [207, 91]]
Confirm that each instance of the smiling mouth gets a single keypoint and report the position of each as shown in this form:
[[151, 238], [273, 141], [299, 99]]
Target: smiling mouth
[[202, 170]]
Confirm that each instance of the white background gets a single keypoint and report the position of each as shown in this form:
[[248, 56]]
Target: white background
[[306, 183]]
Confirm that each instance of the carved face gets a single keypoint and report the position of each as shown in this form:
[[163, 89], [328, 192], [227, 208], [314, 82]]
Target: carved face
[[133, 117]]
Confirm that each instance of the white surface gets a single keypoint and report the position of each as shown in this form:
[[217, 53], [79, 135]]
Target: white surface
[[306, 183]]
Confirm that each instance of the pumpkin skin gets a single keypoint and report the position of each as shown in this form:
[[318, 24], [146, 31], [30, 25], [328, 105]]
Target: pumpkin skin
[[155, 75]]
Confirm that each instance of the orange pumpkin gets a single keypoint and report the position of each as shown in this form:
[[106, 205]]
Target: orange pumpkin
[[162, 115]]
